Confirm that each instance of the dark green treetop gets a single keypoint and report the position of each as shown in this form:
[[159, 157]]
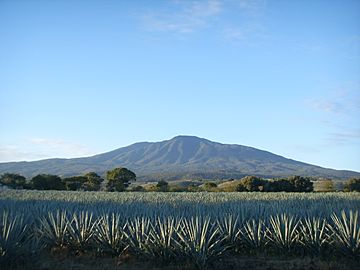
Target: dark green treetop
[[119, 178], [13, 180], [47, 182]]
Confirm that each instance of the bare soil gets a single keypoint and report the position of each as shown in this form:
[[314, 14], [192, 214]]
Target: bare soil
[[64, 261]]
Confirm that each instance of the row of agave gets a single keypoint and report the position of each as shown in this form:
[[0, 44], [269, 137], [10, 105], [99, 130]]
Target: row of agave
[[199, 239], [245, 204]]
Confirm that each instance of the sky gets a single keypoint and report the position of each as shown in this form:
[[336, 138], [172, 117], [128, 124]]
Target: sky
[[78, 78]]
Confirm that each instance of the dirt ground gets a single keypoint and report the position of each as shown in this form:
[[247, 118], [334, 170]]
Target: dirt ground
[[89, 262]]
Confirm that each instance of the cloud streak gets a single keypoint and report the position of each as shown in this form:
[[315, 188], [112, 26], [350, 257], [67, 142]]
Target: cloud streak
[[327, 106], [188, 17], [344, 100], [250, 33], [340, 111], [41, 148], [343, 137], [233, 20]]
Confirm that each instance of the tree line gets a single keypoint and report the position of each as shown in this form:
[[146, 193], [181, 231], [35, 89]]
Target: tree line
[[290, 184], [246, 184], [117, 179]]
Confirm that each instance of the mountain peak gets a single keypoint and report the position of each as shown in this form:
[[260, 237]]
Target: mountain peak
[[182, 156], [187, 138]]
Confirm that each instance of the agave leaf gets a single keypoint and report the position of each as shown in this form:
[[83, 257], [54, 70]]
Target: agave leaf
[[53, 229], [82, 229], [109, 234], [201, 240], [253, 235], [283, 232], [314, 234], [346, 232]]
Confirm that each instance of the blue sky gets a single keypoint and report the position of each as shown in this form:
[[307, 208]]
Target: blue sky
[[79, 78]]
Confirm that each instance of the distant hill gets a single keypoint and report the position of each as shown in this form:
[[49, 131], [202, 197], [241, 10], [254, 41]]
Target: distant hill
[[183, 157]]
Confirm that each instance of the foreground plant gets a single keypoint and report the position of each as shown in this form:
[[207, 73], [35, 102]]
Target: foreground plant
[[201, 240], [346, 232], [82, 229], [253, 234], [110, 235], [164, 241], [283, 232], [137, 235], [230, 228], [314, 235], [12, 238], [53, 229]]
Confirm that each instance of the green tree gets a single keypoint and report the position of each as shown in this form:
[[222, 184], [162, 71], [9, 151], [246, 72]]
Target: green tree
[[93, 182], [210, 186], [119, 178], [177, 188], [301, 184], [47, 182], [352, 185], [251, 183], [194, 188], [278, 185], [162, 186], [138, 189], [74, 182], [13, 180], [239, 188], [325, 185]]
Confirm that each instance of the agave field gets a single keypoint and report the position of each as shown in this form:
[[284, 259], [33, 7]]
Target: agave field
[[175, 227]]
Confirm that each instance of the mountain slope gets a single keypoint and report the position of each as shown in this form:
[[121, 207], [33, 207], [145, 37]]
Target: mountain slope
[[180, 157]]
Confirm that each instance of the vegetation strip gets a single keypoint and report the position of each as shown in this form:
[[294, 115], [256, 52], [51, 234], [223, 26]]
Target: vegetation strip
[[176, 227]]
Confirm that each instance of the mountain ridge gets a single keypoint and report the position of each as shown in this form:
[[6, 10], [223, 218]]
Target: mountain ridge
[[180, 157]]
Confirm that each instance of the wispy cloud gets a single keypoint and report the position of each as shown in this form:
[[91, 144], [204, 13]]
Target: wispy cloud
[[15, 153], [340, 114], [346, 47], [343, 137], [184, 17], [252, 7], [324, 105], [41, 148], [251, 33], [342, 100], [61, 146], [350, 47], [310, 47]]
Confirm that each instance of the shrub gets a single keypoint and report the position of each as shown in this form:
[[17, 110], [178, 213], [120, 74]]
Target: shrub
[[162, 186], [74, 182], [47, 182], [13, 180], [138, 189], [301, 184], [278, 185], [210, 186], [352, 185], [119, 179], [251, 183], [177, 188]]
